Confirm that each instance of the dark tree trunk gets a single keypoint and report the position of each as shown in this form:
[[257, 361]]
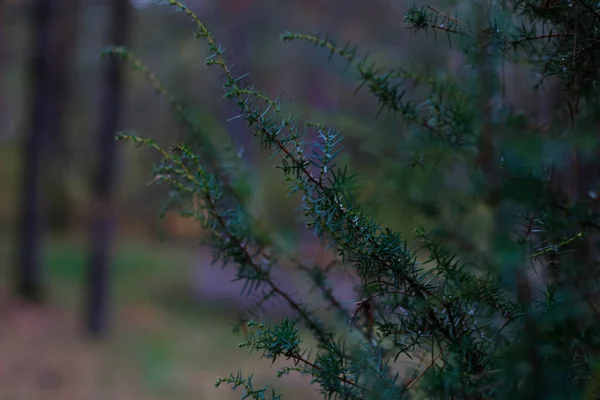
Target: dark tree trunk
[[238, 19], [3, 67], [102, 224], [28, 279]]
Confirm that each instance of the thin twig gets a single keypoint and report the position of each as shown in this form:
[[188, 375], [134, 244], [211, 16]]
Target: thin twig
[[413, 381]]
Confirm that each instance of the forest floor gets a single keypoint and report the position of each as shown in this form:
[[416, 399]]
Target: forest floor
[[162, 345]]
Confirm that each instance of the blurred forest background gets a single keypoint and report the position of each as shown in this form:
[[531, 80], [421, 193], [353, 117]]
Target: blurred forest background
[[163, 327]]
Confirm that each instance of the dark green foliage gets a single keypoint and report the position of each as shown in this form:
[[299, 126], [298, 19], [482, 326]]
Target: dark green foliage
[[509, 313]]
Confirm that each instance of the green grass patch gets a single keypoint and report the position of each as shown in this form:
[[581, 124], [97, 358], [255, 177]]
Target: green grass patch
[[135, 268]]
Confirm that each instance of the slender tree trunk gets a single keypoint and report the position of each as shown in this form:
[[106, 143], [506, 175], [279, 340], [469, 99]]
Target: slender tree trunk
[[238, 18], [3, 66], [102, 225], [28, 279]]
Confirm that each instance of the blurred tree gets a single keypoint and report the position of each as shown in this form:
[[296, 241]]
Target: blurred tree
[[2, 60], [28, 279], [239, 19], [101, 228]]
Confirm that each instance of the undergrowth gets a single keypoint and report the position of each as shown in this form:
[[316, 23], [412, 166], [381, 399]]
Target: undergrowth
[[516, 318]]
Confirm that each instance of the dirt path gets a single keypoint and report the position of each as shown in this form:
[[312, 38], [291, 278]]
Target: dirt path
[[148, 356]]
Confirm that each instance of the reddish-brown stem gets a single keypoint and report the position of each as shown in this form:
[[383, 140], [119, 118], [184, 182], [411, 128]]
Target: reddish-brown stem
[[431, 364], [312, 365]]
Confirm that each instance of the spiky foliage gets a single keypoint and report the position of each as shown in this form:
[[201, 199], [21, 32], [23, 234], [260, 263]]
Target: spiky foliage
[[516, 317]]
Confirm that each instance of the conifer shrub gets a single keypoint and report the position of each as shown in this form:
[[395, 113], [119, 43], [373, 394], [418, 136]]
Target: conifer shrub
[[512, 313]]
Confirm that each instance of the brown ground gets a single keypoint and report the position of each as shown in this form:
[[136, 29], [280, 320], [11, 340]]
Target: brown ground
[[163, 345], [43, 357], [166, 341]]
